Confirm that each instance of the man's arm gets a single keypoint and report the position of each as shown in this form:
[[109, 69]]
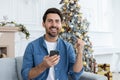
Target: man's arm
[[47, 62], [78, 64], [37, 70]]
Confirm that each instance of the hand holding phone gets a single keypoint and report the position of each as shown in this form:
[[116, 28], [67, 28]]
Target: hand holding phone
[[54, 52]]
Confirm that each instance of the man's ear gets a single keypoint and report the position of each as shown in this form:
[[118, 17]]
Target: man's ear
[[43, 24]]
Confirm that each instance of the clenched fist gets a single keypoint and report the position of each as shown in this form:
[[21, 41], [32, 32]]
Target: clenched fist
[[79, 45]]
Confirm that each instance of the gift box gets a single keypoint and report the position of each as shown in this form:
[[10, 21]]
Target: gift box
[[107, 67], [109, 75], [104, 69]]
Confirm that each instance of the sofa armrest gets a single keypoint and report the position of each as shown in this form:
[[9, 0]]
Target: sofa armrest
[[92, 76], [19, 66]]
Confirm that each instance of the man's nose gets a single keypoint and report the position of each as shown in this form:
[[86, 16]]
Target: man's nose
[[54, 23]]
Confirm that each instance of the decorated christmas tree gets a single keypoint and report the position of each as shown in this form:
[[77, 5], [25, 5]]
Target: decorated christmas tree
[[75, 26]]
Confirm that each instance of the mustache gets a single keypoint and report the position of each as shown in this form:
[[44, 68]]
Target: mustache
[[53, 27]]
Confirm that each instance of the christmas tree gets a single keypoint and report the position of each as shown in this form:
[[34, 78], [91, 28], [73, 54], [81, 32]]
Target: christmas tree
[[75, 26]]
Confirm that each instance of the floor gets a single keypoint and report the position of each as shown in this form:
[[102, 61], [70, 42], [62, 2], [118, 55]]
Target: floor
[[116, 76]]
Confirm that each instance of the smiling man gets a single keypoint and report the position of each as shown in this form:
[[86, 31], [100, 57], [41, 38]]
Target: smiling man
[[37, 62]]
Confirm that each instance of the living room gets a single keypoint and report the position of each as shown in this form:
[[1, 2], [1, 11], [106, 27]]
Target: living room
[[102, 15]]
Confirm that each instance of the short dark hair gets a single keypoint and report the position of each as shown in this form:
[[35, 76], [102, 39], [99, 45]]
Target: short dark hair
[[52, 10]]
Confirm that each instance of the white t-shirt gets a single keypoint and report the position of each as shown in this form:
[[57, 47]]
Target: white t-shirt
[[51, 46]]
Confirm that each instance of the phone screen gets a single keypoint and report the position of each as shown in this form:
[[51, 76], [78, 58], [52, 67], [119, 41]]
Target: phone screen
[[54, 52]]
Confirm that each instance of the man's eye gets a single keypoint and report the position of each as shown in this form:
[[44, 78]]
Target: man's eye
[[57, 21], [49, 20]]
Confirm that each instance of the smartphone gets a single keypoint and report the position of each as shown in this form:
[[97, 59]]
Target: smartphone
[[54, 52]]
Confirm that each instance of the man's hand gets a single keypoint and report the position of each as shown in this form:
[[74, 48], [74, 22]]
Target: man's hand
[[50, 61], [79, 45]]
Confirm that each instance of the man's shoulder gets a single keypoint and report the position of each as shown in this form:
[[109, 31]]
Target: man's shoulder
[[64, 42], [38, 40]]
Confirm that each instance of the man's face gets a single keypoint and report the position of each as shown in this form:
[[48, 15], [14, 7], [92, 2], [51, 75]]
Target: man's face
[[52, 24]]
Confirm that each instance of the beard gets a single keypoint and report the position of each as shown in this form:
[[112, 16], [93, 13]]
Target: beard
[[53, 33]]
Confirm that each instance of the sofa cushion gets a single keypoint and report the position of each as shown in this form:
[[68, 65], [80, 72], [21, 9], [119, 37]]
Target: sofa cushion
[[19, 66], [92, 76], [8, 69]]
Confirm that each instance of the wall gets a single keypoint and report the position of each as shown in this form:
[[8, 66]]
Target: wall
[[98, 13], [116, 32], [116, 23]]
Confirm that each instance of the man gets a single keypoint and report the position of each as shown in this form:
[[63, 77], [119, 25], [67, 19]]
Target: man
[[38, 65]]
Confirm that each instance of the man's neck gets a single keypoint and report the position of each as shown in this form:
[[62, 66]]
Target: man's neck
[[50, 39]]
